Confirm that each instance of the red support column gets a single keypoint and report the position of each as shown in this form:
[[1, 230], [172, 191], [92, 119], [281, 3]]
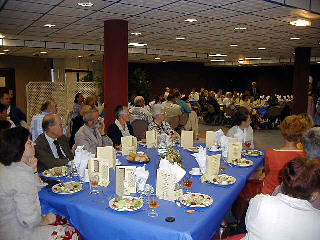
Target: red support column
[[301, 79], [115, 67]]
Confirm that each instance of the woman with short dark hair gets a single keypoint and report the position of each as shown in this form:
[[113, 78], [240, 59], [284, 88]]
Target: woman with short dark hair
[[241, 128], [78, 104], [20, 209], [121, 126], [288, 215]]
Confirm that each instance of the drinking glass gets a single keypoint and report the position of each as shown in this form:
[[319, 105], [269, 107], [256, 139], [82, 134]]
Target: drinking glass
[[94, 180], [247, 144], [69, 172], [188, 183], [153, 203], [57, 171]]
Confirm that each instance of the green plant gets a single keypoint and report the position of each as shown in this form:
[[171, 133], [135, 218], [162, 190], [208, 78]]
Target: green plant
[[139, 84]]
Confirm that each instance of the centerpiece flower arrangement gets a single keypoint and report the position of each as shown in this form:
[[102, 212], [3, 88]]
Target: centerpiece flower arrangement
[[173, 155]]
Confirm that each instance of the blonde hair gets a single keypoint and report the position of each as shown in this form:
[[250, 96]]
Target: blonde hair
[[85, 109], [90, 99], [308, 120], [292, 128]]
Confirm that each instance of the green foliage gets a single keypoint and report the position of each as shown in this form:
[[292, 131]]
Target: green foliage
[[139, 84]]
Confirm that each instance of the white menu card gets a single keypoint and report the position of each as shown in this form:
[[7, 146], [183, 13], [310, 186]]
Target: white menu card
[[108, 153], [125, 180], [186, 139], [129, 145], [100, 166], [165, 185], [210, 139], [152, 139], [234, 151]]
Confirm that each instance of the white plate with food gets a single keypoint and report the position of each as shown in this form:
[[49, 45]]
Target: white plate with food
[[193, 149], [242, 162], [223, 180], [195, 172], [196, 200], [67, 188], [214, 149], [126, 204], [252, 153], [56, 172], [143, 143]]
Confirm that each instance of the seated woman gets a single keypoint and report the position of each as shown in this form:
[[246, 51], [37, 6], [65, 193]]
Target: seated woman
[[78, 104], [288, 215], [121, 127], [20, 208], [159, 124], [292, 129], [241, 128]]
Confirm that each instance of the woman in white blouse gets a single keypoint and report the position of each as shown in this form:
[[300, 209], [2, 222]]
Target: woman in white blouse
[[242, 129], [20, 209], [288, 215]]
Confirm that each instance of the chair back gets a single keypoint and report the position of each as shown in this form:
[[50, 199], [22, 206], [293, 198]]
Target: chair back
[[183, 119], [139, 129], [173, 121], [210, 108], [274, 112]]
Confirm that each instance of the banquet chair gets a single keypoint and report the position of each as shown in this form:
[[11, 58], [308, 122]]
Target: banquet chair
[[273, 115], [183, 119], [139, 129], [173, 122]]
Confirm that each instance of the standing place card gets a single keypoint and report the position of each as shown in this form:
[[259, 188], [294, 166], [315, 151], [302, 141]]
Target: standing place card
[[212, 167], [152, 139], [186, 139], [125, 180], [108, 153], [100, 166], [210, 139], [165, 185], [234, 151], [129, 145]]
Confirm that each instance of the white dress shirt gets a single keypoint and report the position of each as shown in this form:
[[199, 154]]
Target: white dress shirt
[[243, 136], [36, 125], [53, 147], [281, 217]]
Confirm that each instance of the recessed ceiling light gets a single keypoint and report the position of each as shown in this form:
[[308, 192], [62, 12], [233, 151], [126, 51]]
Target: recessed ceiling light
[[300, 23], [136, 33], [137, 44], [157, 58], [294, 38], [1, 36], [217, 55], [240, 28], [262, 48], [318, 62], [180, 38], [233, 45], [179, 60], [253, 58], [49, 25], [6, 50], [164, 61], [217, 60], [2, 53], [240, 60], [43, 52], [85, 4], [191, 20], [80, 56]]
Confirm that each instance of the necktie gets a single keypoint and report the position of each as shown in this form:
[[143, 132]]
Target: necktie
[[60, 154]]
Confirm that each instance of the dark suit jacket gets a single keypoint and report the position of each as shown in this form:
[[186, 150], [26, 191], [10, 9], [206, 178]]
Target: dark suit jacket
[[16, 115], [115, 134], [46, 159], [257, 93]]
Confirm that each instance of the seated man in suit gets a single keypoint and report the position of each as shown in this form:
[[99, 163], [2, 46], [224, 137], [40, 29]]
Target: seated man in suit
[[91, 135], [52, 148]]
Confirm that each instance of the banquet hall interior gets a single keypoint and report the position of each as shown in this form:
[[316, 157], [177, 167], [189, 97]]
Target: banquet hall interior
[[160, 119]]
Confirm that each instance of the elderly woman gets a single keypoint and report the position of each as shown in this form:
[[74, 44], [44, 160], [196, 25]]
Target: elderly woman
[[288, 215], [121, 126], [159, 124], [242, 129], [292, 129], [311, 144], [19, 185]]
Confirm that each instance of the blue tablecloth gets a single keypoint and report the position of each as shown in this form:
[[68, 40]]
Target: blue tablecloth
[[87, 212], [262, 111]]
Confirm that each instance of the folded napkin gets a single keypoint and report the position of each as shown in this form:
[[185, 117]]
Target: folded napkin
[[81, 159], [141, 177], [201, 158], [164, 141], [174, 169], [224, 146], [218, 134]]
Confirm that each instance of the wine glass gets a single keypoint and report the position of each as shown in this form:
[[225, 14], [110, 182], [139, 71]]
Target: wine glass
[[94, 180], [188, 183], [153, 203], [247, 144]]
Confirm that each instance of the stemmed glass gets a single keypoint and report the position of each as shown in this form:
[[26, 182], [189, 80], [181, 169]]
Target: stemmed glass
[[153, 203], [188, 183], [94, 180]]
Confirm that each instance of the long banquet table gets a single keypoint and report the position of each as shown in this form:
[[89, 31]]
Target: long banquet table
[[88, 214]]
